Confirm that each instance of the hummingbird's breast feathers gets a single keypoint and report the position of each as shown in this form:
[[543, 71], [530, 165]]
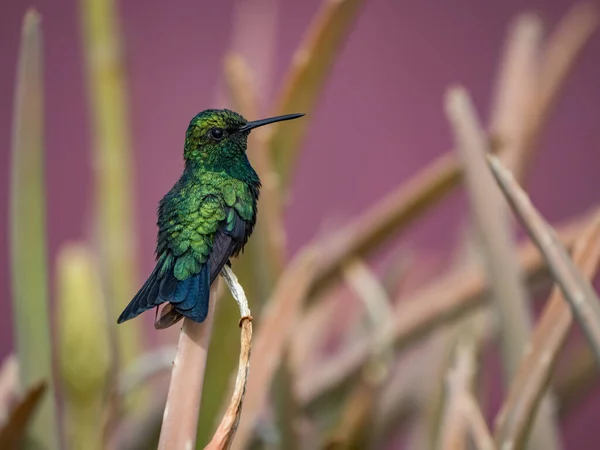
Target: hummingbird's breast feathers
[[193, 211]]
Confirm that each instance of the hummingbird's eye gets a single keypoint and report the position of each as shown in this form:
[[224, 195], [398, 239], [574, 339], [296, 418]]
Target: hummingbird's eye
[[217, 133]]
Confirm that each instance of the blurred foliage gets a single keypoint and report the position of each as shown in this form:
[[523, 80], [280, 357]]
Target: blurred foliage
[[28, 232], [113, 165], [94, 279], [84, 353]]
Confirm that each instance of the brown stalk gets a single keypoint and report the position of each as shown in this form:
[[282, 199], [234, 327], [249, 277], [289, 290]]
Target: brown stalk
[[550, 334], [180, 419], [576, 288], [451, 296]]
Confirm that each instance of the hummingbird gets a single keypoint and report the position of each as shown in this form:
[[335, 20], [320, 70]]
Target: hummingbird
[[206, 218]]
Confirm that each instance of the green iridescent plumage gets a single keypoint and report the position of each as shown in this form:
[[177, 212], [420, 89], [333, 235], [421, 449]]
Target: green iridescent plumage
[[206, 217]]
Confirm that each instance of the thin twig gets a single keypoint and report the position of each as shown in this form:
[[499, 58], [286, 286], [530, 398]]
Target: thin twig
[[180, 419], [548, 338], [225, 433], [576, 288]]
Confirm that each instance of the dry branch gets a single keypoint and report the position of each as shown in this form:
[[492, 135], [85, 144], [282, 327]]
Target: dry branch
[[548, 338], [180, 419], [576, 288]]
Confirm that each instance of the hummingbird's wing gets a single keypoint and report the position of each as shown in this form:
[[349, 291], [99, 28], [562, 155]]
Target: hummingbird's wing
[[231, 232], [195, 241]]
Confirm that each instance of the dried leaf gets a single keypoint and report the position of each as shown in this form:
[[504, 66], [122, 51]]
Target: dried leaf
[[14, 431]]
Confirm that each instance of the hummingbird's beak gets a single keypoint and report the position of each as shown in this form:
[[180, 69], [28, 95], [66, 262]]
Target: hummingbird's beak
[[259, 123]]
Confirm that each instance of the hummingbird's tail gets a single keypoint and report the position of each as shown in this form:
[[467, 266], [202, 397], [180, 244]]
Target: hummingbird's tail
[[189, 297]]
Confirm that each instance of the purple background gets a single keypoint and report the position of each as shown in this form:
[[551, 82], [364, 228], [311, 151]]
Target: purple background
[[379, 120]]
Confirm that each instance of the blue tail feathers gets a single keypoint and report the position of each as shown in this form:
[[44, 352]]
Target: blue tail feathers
[[189, 297]]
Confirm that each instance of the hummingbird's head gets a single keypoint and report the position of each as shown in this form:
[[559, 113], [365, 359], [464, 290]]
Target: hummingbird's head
[[217, 133]]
